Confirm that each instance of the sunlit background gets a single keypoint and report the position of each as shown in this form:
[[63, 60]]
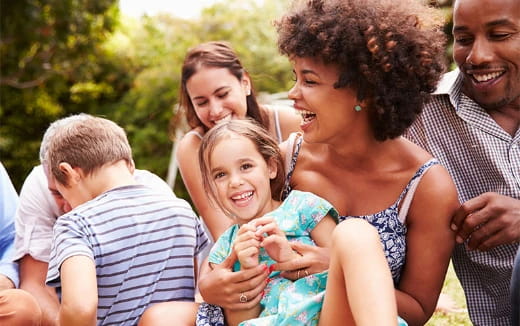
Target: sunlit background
[[183, 9]]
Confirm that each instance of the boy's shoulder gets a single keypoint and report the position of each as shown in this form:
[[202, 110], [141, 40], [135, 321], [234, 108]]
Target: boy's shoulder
[[142, 194], [135, 197]]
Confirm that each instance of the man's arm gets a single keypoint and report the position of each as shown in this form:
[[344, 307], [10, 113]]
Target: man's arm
[[32, 279], [79, 298]]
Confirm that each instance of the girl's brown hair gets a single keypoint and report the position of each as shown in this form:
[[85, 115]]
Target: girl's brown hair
[[250, 129]]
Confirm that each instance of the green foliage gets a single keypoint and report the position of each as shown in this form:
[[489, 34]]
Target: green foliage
[[154, 48], [61, 57], [249, 27], [51, 65]]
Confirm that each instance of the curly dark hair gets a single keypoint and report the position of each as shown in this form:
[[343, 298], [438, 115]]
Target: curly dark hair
[[390, 51]]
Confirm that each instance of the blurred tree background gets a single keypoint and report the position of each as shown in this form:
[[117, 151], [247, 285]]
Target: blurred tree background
[[60, 57]]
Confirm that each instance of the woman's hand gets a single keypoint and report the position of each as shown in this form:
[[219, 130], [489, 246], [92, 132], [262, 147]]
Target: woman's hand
[[312, 260], [223, 287]]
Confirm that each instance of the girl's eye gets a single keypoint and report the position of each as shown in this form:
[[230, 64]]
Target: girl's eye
[[246, 166], [309, 82], [218, 175], [202, 103]]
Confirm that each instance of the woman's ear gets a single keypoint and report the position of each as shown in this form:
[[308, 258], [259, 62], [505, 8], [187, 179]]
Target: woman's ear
[[246, 84], [272, 168]]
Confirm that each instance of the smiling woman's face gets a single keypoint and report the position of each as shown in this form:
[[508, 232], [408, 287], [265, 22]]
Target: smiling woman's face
[[217, 95]]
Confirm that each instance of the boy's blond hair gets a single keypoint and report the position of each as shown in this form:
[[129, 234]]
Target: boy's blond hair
[[89, 144], [53, 127]]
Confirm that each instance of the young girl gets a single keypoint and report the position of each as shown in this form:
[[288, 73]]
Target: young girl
[[242, 170]]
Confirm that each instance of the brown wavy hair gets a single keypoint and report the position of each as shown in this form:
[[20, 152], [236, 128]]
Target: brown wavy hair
[[391, 52], [214, 54]]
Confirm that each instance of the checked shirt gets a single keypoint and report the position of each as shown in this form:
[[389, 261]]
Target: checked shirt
[[481, 157]]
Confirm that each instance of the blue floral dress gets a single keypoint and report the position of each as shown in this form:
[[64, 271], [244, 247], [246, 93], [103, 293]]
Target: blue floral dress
[[389, 222], [284, 302]]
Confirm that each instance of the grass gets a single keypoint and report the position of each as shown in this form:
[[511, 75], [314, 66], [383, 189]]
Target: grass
[[453, 288]]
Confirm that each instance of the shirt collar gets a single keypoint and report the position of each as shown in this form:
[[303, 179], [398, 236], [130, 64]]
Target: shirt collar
[[467, 109], [451, 85]]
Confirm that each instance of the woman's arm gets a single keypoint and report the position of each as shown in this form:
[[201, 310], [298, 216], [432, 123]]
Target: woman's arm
[[188, 160], [246, 247], [223, 287], [311, 259], [79, 292], [290, 120], [321, 234], [430, 242]]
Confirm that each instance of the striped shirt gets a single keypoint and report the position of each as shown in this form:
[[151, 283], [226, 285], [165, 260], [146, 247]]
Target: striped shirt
[[481, 157], [143, 244]]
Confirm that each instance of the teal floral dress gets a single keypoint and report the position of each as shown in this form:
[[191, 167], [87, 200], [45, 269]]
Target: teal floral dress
[[286, 302]]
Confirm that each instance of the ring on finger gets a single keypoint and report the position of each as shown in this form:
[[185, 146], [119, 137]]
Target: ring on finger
[[306, 272], [243, 298]]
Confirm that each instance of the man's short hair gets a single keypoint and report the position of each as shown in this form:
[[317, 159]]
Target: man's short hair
[[87, 143]]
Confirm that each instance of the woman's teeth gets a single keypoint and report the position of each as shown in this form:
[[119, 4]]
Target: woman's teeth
[[224, 119], [307, 115]]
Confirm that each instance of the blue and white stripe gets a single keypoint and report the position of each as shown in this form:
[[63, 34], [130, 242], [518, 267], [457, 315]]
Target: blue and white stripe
[[143, 243]]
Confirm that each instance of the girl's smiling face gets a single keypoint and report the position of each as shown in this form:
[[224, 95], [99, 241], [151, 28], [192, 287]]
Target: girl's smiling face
[[241, 178]]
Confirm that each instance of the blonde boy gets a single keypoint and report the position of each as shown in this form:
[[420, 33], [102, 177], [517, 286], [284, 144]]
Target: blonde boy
[[123, 246]]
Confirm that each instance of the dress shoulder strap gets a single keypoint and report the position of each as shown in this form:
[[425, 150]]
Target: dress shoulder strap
[[194, 132], [294, 143], [409, 190]]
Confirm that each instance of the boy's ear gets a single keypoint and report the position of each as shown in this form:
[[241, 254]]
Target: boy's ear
[[273, 169], [131, 166], [73, 175]]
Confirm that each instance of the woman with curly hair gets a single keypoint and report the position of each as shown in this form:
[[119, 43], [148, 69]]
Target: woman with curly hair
[[363, 70]]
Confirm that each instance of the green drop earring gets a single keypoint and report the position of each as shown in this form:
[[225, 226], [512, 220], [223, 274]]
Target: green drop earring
[[358, 108]]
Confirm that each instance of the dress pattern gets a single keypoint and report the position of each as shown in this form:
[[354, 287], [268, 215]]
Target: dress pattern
[[392, 231], [284, 302]]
